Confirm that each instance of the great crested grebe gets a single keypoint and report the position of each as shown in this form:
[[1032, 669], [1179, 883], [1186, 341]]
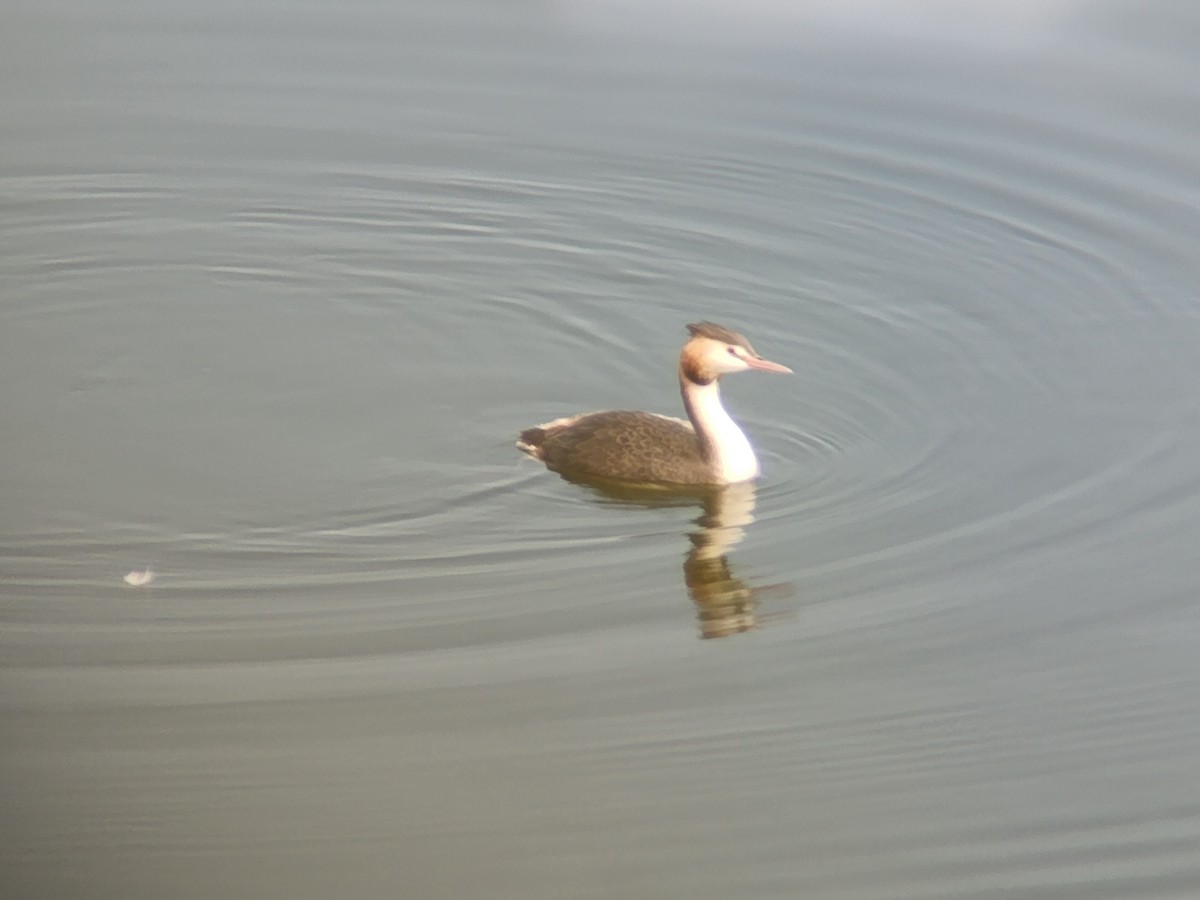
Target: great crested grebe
[[647, 448]]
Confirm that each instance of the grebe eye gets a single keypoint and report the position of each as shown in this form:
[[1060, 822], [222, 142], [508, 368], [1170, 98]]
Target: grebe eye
[[732, 352]]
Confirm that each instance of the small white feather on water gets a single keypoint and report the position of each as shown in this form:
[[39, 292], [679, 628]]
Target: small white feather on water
[[140, 579]]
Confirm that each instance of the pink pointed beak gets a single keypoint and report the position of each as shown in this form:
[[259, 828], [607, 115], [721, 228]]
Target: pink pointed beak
[[765, 365]]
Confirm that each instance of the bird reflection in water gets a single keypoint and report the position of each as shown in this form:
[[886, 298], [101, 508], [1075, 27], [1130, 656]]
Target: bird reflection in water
[[725, 604]]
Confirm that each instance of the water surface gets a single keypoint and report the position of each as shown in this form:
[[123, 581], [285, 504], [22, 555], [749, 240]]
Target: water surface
[[282, 282]]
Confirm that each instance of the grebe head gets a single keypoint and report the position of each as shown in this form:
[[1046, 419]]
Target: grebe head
[[715, 350]]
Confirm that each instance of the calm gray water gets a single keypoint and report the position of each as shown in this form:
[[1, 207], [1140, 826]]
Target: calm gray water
[[281, 282]]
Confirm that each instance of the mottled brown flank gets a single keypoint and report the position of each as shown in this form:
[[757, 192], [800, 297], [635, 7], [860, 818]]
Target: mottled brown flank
[[623, 445], [719, 333]]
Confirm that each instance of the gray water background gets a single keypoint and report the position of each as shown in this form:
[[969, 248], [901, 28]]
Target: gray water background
[[281, 281]]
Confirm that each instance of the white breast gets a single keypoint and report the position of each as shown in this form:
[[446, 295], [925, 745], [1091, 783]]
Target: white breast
[[734, 457]]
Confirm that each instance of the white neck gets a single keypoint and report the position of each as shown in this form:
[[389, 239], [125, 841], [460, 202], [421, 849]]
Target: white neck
[[725, 445]]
